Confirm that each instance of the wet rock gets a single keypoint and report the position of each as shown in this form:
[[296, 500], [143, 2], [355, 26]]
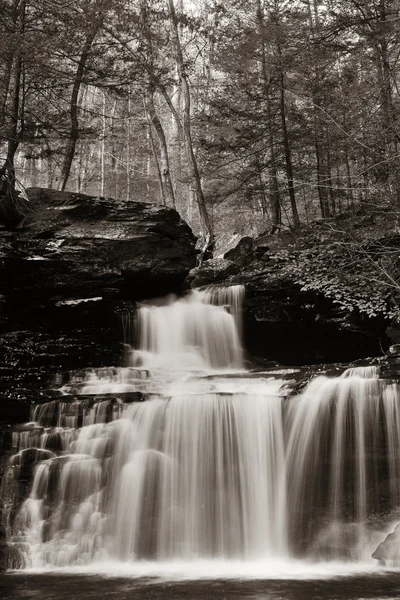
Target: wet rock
[[11, 557], [388, 552], [73, 266], [295, 327], [81, 247], [390, 366], [53, 440], [212, 271], [393, 333]]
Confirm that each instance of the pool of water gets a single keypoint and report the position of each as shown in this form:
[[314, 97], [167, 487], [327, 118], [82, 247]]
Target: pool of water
[[326, 582], [88, 587]]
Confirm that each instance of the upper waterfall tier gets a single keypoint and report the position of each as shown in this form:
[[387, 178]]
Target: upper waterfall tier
[[198, 332]]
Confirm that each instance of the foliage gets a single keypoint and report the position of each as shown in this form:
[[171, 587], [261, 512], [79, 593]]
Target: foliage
[[292, 104], [356, 273]]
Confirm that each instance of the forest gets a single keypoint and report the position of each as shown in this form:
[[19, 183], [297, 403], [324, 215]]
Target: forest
[[248, 117]]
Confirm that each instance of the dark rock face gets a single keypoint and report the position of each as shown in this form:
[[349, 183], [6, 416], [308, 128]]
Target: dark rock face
[[73, 267], [285, 324], [76, 246], [299, 328]]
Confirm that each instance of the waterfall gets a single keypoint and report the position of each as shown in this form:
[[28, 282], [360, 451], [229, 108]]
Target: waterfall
[[197, 470], [184, 455], [343, 461], [189, 333]]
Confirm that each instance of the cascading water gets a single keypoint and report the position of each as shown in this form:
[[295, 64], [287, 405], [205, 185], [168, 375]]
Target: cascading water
[[197, 470], [184, 455], [343, 461], [188, 334]]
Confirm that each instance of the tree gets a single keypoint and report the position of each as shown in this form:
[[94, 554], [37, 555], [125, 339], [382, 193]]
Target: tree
[[186, 127]]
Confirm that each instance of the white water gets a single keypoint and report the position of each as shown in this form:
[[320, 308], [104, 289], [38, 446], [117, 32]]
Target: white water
[[215, 472], [188, 334], [214, 569], [344, 442]]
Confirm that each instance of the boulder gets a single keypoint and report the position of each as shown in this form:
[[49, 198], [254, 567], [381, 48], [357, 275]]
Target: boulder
[[388, 552], [212, 272], [76, 247], [243, 253]]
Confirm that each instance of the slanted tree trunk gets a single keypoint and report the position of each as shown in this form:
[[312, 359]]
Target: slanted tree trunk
[[74, 118], [205, 219], [162, 163], [162, 160], [156, 161]]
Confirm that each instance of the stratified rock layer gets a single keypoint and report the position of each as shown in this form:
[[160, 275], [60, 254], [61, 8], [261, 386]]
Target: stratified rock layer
[[71, 269]]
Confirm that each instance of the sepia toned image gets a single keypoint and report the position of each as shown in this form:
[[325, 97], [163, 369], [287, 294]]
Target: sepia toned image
[[200, 299]]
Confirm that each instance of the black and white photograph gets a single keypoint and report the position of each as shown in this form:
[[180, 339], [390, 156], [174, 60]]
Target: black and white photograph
[[200, 299]]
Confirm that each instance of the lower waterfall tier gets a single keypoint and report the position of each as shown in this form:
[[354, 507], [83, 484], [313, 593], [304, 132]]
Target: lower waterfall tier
[[218, 473]]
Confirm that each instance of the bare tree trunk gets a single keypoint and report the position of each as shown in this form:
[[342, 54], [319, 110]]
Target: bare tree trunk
[[349, 181], [164, 169], [348, 176], [8, 65], [319, 138], [103, 148], [288, 155], [274, 194], [12, 206], [387, 109], [81, 174], [205, 219], [16, 121], [322, 189], [128, 152], [263, 202], [156, 161], [6, 90], [177, 140], [331, 191], [14, 138], [176, 152], [78, 80]]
